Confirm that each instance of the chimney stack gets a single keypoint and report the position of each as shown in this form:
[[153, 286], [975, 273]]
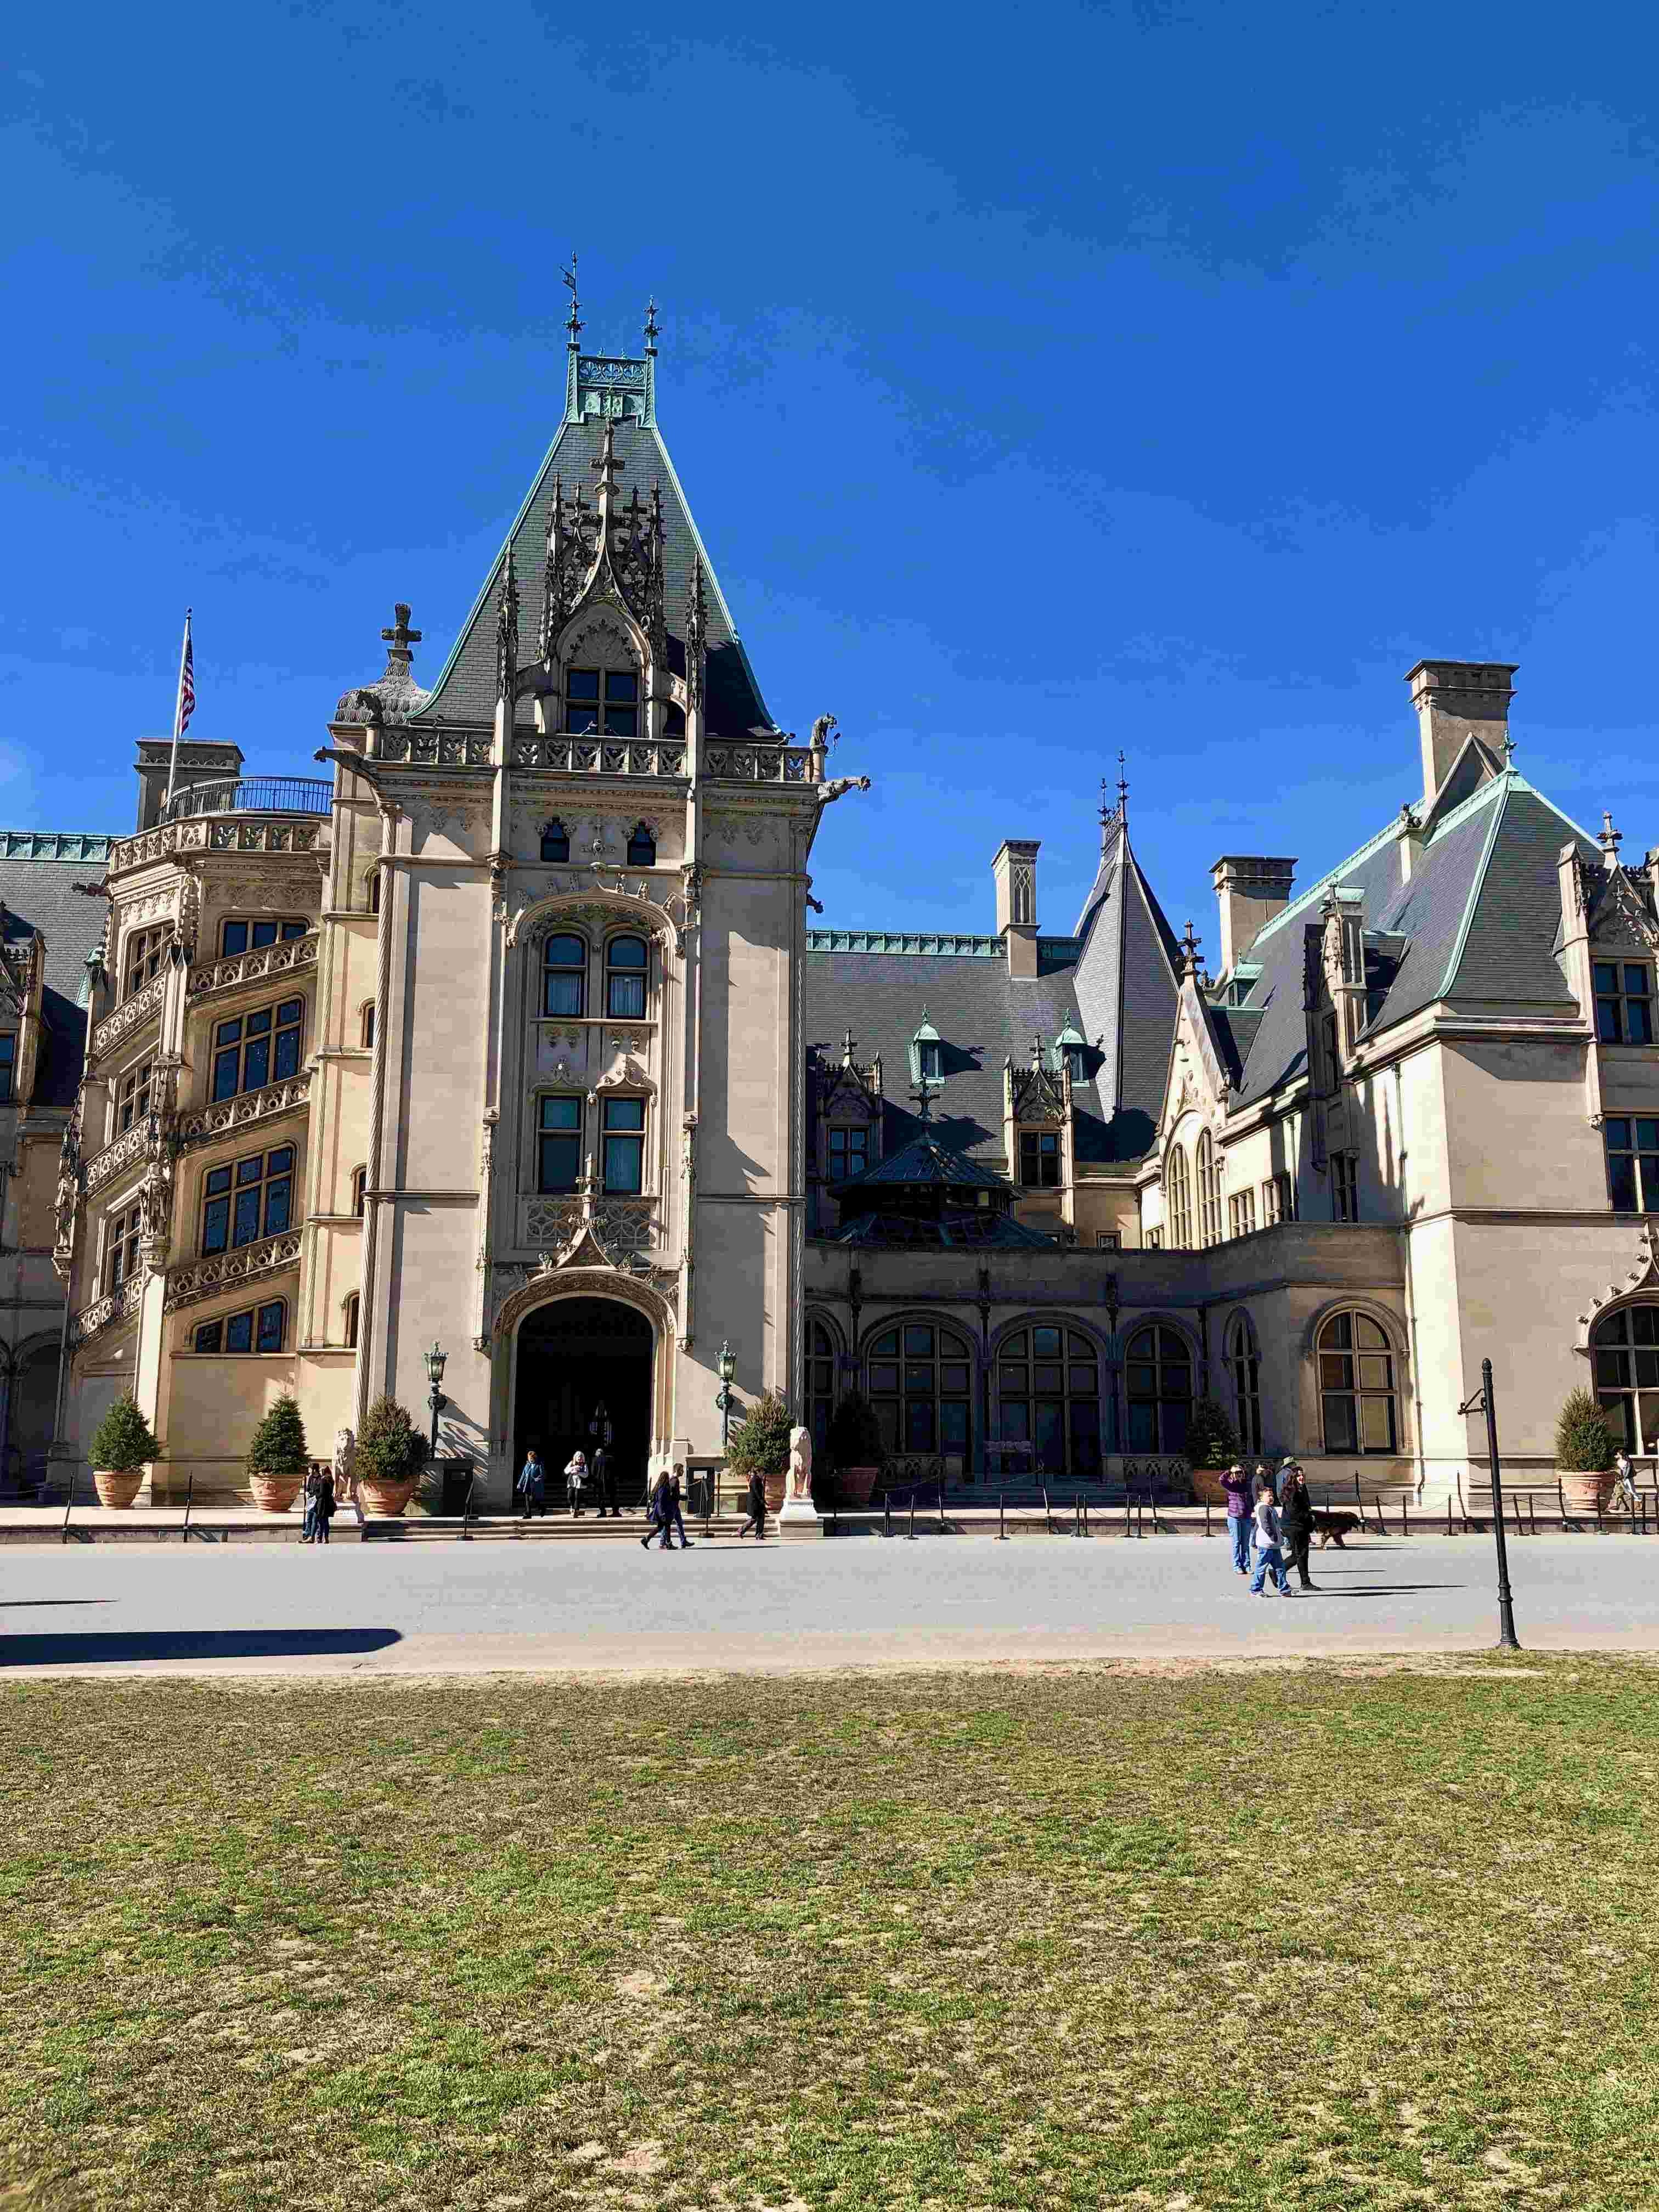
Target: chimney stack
[[1249, 892], [1014, 873], [1456, 700]]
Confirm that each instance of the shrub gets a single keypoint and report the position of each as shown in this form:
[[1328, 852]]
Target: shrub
[[124, 1440], [1212, 1439], [279, 1443], [854, 1437], [760, 1441], [389, 1448], [1584, 1442]]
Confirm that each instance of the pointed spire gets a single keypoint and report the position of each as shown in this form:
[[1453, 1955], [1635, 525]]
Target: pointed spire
[[606, 469], [506, 634], [1122, 789], [573, 321], [1189, 944], [1610, 840], [651, 326], [847, 1047]]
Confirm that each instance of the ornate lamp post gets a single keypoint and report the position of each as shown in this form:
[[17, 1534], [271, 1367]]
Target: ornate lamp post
[[723, 1397], [435, 1361], [1482, 1400]]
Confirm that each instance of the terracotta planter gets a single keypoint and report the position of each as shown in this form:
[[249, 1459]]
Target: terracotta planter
[[856, 1484], [1585, 1493], [1206, 1486], [387, 1499], [117, 1488], [274, 1493], [774, 1489]]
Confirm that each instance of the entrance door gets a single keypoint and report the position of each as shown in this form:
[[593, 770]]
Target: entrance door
[[575, 1356]]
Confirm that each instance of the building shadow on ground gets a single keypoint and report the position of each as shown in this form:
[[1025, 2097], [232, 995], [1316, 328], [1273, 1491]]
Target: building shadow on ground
[[96, 1648]]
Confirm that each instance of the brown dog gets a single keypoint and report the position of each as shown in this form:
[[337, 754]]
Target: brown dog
[[1332, 1528]]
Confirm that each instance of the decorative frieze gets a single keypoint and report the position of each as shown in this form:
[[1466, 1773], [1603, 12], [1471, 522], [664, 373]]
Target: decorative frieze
[[599, 756], [281, 959], [105, 1313], [434, 748], [202, 1279], [213, 834], [249, 1106], [761, 763], [143, 1007], [623, 1224]]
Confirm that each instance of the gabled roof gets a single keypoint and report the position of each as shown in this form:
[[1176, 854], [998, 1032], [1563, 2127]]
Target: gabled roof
[[465, 690], [1128, 984], [37, 872], [926, 1161]]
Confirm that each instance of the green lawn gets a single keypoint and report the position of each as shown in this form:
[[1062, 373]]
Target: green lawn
[[1286, 1937]]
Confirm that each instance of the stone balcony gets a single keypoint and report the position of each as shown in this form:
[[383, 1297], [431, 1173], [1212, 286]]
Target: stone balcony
[[286, 957], [240, 814]]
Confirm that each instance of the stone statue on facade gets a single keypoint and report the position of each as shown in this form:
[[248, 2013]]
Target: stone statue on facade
[[800, 1463], [346, 1455], [799, 1516]]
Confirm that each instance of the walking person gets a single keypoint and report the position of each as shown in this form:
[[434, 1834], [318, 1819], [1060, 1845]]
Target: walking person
[[532, 1484], [676, 1505], [1296, 1520], [1237, 1483], [1269, 1560], [325, 1504], [755, 1498], [604, 1482], [1624, 1481], [576, 1481], [659, 1514]]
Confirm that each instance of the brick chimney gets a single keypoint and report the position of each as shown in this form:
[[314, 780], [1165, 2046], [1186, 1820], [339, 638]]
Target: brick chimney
[[1456, 700], [1014, 873], [1249, 892]]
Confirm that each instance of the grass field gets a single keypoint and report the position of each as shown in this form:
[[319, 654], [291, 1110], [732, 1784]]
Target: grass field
[[1294, 1937]]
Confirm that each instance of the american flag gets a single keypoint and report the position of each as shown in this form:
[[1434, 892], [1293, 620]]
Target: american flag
[[187, 684]]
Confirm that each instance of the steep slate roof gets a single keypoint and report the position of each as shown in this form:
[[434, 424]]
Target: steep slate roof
[[1479, 921], [925, 1161], [1119, 991], [37, 870], [465, 688]]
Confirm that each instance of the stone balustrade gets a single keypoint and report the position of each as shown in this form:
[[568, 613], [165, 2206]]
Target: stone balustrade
[[143, 1007], [430, 748], [132, 1144], [621, 1224], [280, 959], [120, 1305], [601, 756], [226, 1115], [205, 1278], [215, 834], [760, 763]]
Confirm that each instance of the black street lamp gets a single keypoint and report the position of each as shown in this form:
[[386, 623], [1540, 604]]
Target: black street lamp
[[435, 1361], [1507, 1638], [723, 1397]]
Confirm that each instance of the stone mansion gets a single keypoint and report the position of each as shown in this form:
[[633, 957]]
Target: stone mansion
[[501, 1025]]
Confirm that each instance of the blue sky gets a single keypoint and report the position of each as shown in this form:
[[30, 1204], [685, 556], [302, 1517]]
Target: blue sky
[[1044, 381]]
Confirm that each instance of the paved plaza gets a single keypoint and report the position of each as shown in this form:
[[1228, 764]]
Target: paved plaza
[[449, 1608]]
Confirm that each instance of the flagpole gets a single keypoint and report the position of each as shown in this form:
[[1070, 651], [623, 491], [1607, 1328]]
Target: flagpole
[[178, 709]]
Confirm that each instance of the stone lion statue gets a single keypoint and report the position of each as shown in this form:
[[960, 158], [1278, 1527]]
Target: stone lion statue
[[800, 1463], [345, 1453]]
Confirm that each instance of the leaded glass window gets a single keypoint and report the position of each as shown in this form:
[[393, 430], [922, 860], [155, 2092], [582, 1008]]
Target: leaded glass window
[[1048, 1397], [921, 1386], [1157, 1377], [1357, 1385]]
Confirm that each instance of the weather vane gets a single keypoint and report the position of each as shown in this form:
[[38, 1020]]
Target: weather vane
[[573, 321]]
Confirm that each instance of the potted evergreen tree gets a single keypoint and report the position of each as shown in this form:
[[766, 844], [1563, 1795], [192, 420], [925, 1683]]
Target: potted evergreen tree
[[390, 1452], [1212, 1444], [855, 1448], [277, 1457], [760, 1445], [1585, 1446], [123, 1447]]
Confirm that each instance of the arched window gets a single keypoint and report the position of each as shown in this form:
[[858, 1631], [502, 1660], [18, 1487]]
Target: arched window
[[1048, 1395], [1178, 1201], [820, 1382], [1625, 1347], [1158, 1383], [359, 1185], [920, 1383], [555, 842], [1245, 1366], [1356, 1384], [354, 1307], [374, 892], [1209, 1209], [624, 978], [368, 1026], [642, 846], [564, 976]]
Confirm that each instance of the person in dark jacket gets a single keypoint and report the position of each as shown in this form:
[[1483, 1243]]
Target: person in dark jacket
[[325, 1504], [532, 1484], [659, 1514], [309, 1527], [676, 1505], [754, 1497], [1296, 1520], [1237, 1483], [604, 1482]]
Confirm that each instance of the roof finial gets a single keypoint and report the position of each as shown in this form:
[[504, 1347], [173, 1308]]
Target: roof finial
[[1122, 789], [651, 326], [573, 321], [606, 467], [1610, 841], [847, 1047], [924, 1097], [399, 637], [1189, 944]]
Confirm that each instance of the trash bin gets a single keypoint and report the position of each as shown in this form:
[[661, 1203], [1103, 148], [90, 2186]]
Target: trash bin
[[452, 1497]]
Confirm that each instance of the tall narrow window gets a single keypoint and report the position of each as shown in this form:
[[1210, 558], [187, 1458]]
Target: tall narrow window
[[354, 1310], [1242, 1205], [368, 1026], [625, 1145], [253, 1198], [1048, 1397], [1209, 1211], [1626, 1349], [921, 1387], [1245, 1366], [624, 978], [559, 1145], [849, 1153], [1633, 1143], [1157, 1374], [131, 1098], [374, 892], [642, 848], [820, 1382], [1623, 1002], [1345, 1186], [8, 1066], [1039, 1158], [359, 1190], [121, 1246], [143, 957], [602, 699], [555, 842], [1178, 1200], [1356, 1383], [564, 976], [255, 1049]]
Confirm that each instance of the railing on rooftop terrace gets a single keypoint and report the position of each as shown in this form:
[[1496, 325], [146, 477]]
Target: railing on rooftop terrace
[[253, 795], [948, 944]]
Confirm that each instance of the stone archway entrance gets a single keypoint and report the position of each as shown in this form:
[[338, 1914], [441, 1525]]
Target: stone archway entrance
[[575, 1355]]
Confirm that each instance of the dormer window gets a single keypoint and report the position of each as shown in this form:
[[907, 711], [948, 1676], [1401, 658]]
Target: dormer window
[[1623, 1001], [556, 843], [602, 702]]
